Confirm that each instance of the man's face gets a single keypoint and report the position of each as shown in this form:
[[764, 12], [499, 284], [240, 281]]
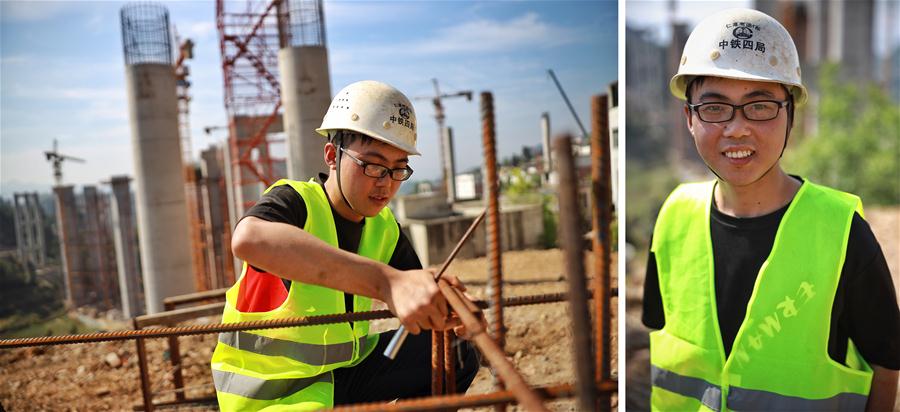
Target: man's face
[[739, 151], [367, 194]]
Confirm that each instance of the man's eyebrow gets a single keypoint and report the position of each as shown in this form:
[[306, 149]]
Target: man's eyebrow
[[759, 93], [713, 95], [381, 157]]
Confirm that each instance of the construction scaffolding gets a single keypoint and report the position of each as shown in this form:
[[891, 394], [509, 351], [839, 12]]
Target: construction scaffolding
[[250, 35]]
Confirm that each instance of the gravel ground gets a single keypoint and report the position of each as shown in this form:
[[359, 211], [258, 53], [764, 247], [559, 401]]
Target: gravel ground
[[104, 376]]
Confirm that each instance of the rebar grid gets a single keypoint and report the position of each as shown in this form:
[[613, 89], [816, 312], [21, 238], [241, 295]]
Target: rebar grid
[[145, 34]]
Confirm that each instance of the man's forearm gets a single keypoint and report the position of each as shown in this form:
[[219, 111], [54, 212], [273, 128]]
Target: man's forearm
[[294, 254], [884, 389]]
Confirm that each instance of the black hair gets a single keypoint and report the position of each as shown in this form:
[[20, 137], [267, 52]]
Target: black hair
[[344, 138]]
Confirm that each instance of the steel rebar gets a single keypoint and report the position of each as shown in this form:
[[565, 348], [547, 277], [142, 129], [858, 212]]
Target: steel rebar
[[437, 362], [601, 216], [397, 340], [252, 325], [449, 362], [570, 230], [143, 371], [495, 265], [492, 352]]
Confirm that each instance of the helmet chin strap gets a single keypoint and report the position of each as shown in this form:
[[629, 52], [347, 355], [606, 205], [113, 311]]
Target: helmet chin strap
[[339, 139]]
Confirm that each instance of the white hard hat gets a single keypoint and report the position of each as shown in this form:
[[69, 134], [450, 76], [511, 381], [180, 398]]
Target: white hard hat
[[740, 44], [374, 109]]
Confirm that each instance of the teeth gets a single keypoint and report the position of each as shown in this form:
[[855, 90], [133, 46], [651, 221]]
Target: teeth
[[740, 154]]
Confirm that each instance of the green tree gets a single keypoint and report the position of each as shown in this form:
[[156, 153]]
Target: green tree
[[857, 145]]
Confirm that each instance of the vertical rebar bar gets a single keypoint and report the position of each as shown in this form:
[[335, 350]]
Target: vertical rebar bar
[[175, 359], [495, 265], [570, 230], [437, 362], [449, 363], [495, 270], [601, 216], [146, 395]]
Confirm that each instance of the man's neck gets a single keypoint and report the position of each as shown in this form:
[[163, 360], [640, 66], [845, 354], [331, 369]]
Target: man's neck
[[337, 201], [768, 194]]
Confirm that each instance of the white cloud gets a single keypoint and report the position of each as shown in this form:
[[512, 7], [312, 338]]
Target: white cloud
[[484, 35]]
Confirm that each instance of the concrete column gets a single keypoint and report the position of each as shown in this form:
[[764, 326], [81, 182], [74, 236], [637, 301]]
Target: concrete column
[[125, 238], [449, 164], [160, 196], [545, 146], [37, 218], [231, 198], [20, 225], [67, 226], [93, 239], [305, 94], [214, 213]]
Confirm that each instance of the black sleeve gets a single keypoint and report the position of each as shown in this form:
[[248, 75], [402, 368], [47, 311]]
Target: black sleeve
[[404, 257], [872, 317], [653, 315], [281, 204]]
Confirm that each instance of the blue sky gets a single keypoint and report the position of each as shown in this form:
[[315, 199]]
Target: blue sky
[[62, 74]]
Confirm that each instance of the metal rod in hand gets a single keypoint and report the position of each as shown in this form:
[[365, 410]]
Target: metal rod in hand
[[400, 336]]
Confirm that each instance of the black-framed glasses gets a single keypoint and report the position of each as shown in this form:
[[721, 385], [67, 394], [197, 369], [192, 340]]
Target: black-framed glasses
[[378, 171], [718, 112]]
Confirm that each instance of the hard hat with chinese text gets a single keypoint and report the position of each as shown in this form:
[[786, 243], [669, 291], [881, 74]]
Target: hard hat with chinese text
[[741, 44]]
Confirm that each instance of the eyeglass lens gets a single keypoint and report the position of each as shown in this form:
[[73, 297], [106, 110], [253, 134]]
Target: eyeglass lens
[[723, 112]]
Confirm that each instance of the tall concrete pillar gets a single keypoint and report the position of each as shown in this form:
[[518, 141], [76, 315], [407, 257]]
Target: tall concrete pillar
[[160, 198], [216, 217], [99, 264], [127, 254], [67, 227], [305, 95], [37, 219], [450, 164], [546, 150], [163, 225]]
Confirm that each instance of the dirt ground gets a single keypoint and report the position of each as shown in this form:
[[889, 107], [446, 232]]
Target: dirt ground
[[885, 223], [104, 376]]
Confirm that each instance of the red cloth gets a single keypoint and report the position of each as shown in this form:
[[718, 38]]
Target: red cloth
[[260, 291]]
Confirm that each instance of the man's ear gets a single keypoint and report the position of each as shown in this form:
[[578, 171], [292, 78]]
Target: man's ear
[[687, 116], [331, 155]]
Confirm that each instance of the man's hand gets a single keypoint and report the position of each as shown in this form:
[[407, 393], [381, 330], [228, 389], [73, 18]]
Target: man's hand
[[414, 297]]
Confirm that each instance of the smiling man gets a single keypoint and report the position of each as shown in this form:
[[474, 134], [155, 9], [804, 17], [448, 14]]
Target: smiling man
[[769, 292], [329, 246]]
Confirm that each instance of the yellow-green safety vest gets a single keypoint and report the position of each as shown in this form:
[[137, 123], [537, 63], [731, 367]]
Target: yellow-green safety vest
[[779, 360], [291, 368]]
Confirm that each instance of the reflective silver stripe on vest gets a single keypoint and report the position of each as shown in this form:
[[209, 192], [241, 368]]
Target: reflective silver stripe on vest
[[261, 389], [308, 353], [708, 394], [741, 399]]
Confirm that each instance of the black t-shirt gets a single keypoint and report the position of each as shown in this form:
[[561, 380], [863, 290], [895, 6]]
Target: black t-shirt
[[865, 305], [284, 205]]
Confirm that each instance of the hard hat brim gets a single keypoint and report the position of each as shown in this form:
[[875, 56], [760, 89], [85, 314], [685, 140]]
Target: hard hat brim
[[679, 83], [406, 148]]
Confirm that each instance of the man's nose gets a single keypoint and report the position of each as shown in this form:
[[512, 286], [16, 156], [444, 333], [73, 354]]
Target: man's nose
[[738, 126]]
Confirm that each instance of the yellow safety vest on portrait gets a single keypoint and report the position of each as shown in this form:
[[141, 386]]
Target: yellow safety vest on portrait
[[290, 368], [779, 360]]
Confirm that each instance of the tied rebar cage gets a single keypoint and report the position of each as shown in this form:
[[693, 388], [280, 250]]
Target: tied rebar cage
[[306, 22], [145, 34]]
